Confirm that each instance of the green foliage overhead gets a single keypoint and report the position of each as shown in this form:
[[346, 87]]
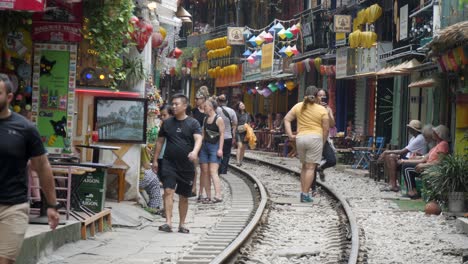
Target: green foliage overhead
[[107, 27]]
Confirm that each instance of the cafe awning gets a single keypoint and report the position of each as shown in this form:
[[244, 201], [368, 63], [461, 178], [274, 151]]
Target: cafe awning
[[400, 69], [23, 5], [429, 82], [184, 15]]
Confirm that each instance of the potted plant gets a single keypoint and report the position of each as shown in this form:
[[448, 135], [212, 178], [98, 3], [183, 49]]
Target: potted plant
[[448, 181]]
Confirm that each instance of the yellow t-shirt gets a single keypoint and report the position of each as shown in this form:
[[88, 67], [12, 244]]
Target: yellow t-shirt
[[310, 121]]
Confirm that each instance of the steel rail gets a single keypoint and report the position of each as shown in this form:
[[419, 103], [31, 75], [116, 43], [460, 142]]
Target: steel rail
[[353, 258]]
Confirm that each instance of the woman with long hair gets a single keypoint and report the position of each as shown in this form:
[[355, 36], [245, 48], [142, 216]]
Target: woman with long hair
[[211, 152], [242, 118], [198, 113], [312, 133]]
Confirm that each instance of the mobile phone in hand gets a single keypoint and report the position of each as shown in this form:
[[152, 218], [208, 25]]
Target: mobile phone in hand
[[324, 99]]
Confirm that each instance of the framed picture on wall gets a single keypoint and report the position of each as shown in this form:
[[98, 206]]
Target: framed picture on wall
[[120, 119]]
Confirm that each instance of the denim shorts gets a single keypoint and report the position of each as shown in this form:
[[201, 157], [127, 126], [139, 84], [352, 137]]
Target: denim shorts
[[208, 153]]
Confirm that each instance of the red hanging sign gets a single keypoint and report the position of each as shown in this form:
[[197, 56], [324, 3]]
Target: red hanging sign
[[57, 32], [23, 5]]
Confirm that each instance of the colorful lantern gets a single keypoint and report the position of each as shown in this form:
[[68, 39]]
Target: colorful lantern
[[252, 41], [288, 33], [177, 52], [288, 51], [247, 53], [294, 50], [251, 59], [290, 85], [156, 40], [258, 40], [317, 63], [268, 37], [282, 51], [247, 34], [278, 27], [298, 26], [163, 32], [282, 33], [272, 87], [266, 92], [272, 30], [280, 85], [259, 54], [294, 29]]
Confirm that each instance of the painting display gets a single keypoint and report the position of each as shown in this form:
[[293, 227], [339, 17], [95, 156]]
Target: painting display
[[120, 119], [53, 94]]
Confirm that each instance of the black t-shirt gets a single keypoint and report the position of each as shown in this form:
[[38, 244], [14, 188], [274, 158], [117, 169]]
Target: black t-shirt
[[179, 141], [19, 141], [199, 116]]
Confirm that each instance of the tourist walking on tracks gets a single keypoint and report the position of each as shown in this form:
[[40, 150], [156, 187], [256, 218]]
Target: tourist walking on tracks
[[230, 126], [211, 152], [312, 133], [242, 118], [199, 114], [20, 142], [183, 141]]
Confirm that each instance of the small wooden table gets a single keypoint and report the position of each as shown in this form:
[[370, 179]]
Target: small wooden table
[[96, 150]]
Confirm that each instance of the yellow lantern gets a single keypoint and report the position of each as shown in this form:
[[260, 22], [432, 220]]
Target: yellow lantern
[[290, 85], [317, 63], [375, 11], [163, 32]]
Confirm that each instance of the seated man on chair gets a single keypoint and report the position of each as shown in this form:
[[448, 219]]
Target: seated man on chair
[[417, 145]]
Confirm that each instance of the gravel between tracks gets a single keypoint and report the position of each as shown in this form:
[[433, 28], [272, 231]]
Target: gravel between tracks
[[391, 235]]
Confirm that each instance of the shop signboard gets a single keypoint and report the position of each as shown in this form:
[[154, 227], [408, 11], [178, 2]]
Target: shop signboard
[[366, 60], [267, 58], [345, 62], [54, 72], [44, 31], [235, 36], [23, 5], [342, 23], [403, 22]]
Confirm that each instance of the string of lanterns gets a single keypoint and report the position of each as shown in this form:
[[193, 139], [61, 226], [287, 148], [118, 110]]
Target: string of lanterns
[[226, 71], [218, 53], [273, 87], [216, 43]]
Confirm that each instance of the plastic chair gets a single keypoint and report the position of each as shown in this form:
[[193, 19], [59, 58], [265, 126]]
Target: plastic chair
[[359, 153], [370, 153]]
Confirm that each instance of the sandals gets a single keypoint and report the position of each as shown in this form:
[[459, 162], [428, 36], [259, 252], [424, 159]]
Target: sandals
[[389, 189], [207, 201], [166, 228], [217, 200], [183, 230]]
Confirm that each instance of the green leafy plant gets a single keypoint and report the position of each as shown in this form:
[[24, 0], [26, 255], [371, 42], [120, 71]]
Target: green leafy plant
[[449, 175], [107, 27], [134, 71]]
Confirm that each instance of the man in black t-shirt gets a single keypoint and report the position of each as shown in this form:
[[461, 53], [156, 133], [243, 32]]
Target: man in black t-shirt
[[183, 142], [19, 142]]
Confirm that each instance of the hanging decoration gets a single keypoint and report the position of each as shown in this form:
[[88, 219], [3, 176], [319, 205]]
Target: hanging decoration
[[141, 33], [247, 34], [288, 51], [290, 85], [282, 33], [219, 53], [317, 63], [266, 92], [288, 33], [258, 40], [252, 41], [268, 37], [278, 27], [216, 43], [247, 53]]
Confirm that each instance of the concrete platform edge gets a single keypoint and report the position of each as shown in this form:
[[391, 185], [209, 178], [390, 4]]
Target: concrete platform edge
[[45, 243]]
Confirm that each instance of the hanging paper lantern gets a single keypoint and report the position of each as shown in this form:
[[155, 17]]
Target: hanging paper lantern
[[156, 40], [288, 51], [268, 37], [282, 33], [260, 91], [294, 50], [254, 91], [290, 85], [294, 29], [288, 33], [249, 91], [272, 87], [251, 59], [300, 67], [259, 54], [282, 51], [254, 54], [278, 27], [267, 92], [262, 35], [280, 85], [258, 40], [375, 11], [16, 108], [298, 26], [247, 34], [247, 53], [307, 64], [177, 52], [252, 41], [317, 63], [272, 30], [322, 70], [163, 32]]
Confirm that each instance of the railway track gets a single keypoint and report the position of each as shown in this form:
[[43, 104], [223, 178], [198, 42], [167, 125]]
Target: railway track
[[266, 223]]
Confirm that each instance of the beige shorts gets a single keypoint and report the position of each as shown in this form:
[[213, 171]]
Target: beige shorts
[[13, 224], [309, 148]]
